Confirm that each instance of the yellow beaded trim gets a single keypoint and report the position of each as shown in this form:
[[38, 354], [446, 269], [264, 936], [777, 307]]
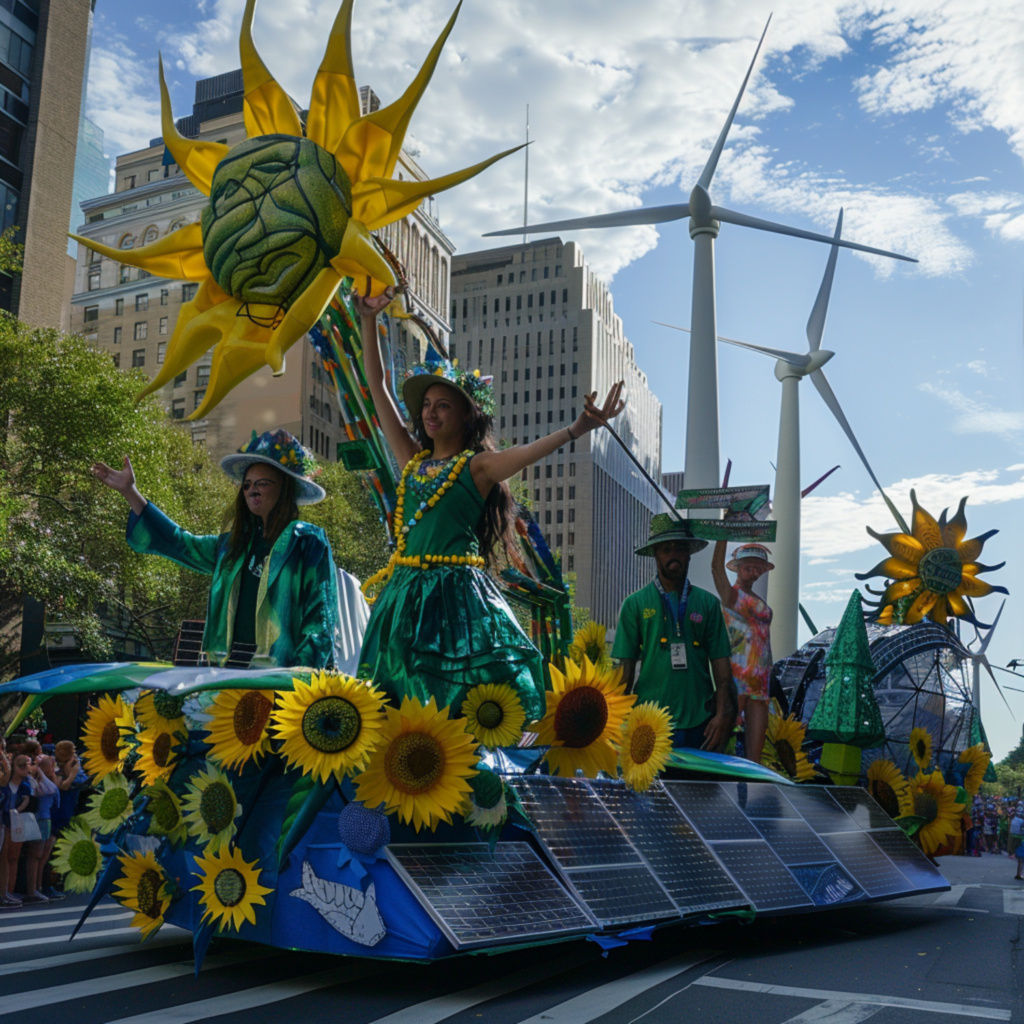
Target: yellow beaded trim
[[402, 528]]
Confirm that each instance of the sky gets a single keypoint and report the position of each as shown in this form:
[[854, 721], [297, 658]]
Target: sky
[[908, 114]]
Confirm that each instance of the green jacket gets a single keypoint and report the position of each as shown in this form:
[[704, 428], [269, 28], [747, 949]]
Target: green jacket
[[297, 607]]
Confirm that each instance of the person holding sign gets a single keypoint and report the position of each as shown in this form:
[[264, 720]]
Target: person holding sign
[[677, 633]]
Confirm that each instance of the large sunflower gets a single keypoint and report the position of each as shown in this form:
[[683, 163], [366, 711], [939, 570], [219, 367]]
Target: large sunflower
[[105, 735], [229, 888], [978, 758], [143, 888], [494, 715], [932, 570], [783, 748], [156, 709], [329, 725], [921, 747], [589, 642], [890, 788], [111, 805], [936, 803], [166, 817], [585, 711], [77, 856], [290, 214], [422, 766], [238, 727], [645, 745], [211, 807], [156, 751]]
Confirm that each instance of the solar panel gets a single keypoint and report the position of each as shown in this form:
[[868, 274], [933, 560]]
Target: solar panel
[[861, 806], [760, 800], [860, 855], [482, 899], [761, 875], [819, 810], [694, 880], [793, 841], [621, 895], [909, 859], [827, 884], [710, 811]]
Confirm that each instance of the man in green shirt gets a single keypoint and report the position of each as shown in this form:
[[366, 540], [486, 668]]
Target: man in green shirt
[[677, 633]]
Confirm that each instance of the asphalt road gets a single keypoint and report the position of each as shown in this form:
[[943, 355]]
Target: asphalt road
[[950, 958]]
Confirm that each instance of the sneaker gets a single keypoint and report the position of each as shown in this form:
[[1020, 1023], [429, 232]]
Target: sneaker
[[54, 894], [10, 900], [35, 898]]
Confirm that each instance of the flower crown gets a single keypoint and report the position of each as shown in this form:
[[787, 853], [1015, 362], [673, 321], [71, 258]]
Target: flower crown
[[283, 448], [479, 388]]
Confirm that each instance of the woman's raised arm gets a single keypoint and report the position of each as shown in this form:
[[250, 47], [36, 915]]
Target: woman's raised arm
[[121, 480]]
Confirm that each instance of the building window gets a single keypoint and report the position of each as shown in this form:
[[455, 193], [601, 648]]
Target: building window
[[188, 292], [572, 490], [200, 395], [572, 469], [124, 274], [536, 494], [547, 493], [129, 181], [117, 360], [572, 515], [94, 281], [502, 422], [138, 358], [572, 560], [154, 175], [179, 381], [162, 329], [203, 375], [572, 539], [536, 472], [178, 409], [92, 313], [561, 469], [558, 540], [118, 307], [547, 518], [161, 351], [141, 330], [142, 303], [117, 335], [547, 471], [164, 294], [560, 493]]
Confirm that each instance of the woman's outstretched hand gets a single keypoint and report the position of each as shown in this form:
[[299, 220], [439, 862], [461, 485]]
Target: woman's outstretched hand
[[594, 416], [120, 480], [366, 306]]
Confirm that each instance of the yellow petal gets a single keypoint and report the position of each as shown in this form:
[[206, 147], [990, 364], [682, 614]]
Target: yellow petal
[[925, 527], [267, 108], [238, 355], [334, 104], [938, 611], [360, 259], [921, 607], [893, 568], [956, 528], [969, 550], [197, 160], [897, 590], [957, 605], [179, 254], [301, 315], [973, 587], [900, 545]]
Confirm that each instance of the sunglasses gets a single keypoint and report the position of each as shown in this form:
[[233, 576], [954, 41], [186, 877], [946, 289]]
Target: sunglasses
[[261, 484]]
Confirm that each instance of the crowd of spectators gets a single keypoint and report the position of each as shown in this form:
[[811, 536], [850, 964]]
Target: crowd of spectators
[[996, 826]]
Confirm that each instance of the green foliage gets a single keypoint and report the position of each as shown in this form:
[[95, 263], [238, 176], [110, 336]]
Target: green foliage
[[1010, 780], [12, 253]]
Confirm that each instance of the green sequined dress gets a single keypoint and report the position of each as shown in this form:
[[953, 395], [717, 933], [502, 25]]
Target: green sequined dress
[[438, 632]]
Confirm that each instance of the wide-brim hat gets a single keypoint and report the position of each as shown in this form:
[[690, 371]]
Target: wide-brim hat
[[285, 453], [665, 527], [474, 387], [758, 552]]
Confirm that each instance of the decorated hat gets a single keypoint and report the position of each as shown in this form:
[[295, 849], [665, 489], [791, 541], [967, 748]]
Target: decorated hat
[[476, 388], [756, 551], [283, 451], [665, 527]]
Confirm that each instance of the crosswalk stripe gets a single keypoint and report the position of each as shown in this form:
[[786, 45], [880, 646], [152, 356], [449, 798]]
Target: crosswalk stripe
[[52, 939], [73, 911], [1013, 901], [29, 927], [951, 898], [598, 1001], [41, 963], [263, 995], [37, 997], [834, 1011]]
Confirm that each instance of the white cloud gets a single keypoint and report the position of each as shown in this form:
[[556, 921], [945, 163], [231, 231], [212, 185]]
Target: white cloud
[[1002, 213], [1016, 468], [979, 366], [122, 97], [977, 417]]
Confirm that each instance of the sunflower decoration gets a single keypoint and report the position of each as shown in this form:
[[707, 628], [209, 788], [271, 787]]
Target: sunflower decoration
[[329, 725], [156, 709], [645, 746], [921, 747], [494, 715], [783, 748], [933, 570], [143, 888], [890, 788], [589, 642], [165, 814], [229, 888], [238, 727], [156, 751], [585, 711], [290, 213], [107, 734], [422, 766], [978, 758], [211, 807], [77, 856], [936, 804], [111, 805]]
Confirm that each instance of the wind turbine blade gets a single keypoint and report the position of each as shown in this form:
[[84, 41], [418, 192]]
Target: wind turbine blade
[[728, 470], [820, 480], [793, 358], [828, 396], [988, 668], [992, 629], [816, 321], [810, 624], [1009, 672], [709, 168], [743, 220], [620, 219]]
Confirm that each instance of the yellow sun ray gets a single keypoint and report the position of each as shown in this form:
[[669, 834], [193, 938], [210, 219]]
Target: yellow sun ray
[[267, 108], [334, 104], [361, 260], [307, 309], [239, 354], [926, 528], [179, 254], [900, 545], [956, 528]]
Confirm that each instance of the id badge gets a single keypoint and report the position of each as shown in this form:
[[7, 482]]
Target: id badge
[[679, 657]]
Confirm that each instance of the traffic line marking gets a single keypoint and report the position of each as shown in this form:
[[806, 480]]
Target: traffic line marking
[[63, 959], [836, 1011], [1013, 901], [73, 911], [50, 940], [61, 924]]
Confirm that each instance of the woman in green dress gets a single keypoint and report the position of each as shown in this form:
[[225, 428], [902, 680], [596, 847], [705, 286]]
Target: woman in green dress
[[440, 624]]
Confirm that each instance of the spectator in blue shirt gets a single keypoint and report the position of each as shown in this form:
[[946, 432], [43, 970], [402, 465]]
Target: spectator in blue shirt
[[18, 792], [37, 852]]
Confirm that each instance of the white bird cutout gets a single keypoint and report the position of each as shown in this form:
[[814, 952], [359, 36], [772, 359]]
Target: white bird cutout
[[348, 911]]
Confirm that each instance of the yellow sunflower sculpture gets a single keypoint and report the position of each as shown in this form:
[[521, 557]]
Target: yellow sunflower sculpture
[[156, 751], [239, 732], [589, 642], [166, 816], [645, 746], [422, 767], [921, 747], [211, 807], [978, 758], [229, 888], [936, 803], [585, 711], [143, 888], [933, 569], [783, 748], [111, 805], [329, 725], [156, 709], [106, 736], [494, 715], [290, 214], [890, 788], [77, 856]]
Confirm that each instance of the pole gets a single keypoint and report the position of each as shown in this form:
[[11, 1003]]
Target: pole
[[647, 476], [526, 179]]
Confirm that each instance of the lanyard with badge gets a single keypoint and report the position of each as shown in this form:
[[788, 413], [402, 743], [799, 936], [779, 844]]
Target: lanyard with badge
[[677, 647]]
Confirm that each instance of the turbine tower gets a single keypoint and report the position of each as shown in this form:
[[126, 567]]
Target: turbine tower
[[701, 467]]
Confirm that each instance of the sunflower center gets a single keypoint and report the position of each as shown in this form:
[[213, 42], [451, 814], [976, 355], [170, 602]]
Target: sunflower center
[[787, 756], [593, 651], [165, 814], [581, 717], [217, 807], [490, 714], [229, 887], [926, 806], [250, 717], [113, 803], [148, 897], [641, 744], [162, 749], [331, 724], [83, 858], [110, 742], [921, 750], [167, 706], [413, 763], [941, 570], [886, 797]]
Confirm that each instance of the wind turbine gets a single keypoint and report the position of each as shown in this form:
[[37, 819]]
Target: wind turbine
[[702, 424]]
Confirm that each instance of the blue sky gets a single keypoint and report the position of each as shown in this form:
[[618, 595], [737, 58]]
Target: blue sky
[[910, 115]]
